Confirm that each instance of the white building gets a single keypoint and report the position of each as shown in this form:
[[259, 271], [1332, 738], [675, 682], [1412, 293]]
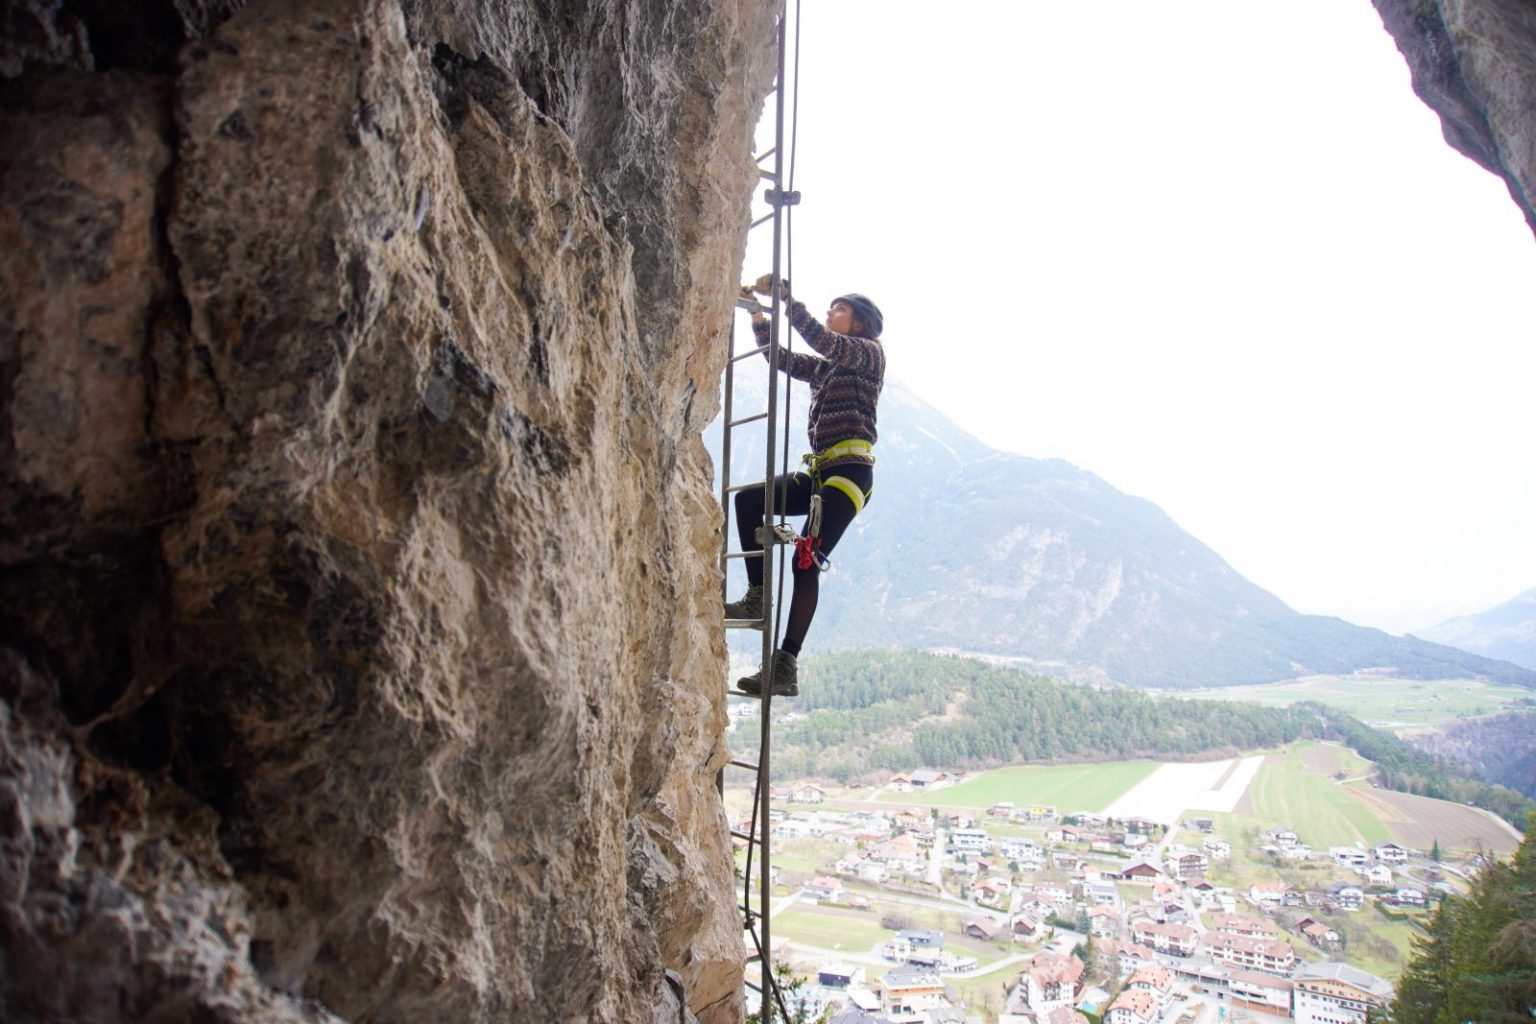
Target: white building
[[970, 839], [1336, 993], [1349, 856], [1155, 979], [1133, 1006]]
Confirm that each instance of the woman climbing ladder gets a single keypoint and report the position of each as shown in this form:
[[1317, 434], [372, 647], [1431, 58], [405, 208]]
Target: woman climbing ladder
[[845, 379]]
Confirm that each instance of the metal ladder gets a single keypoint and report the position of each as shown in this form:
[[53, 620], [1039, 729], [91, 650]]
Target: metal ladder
[[771, 169]]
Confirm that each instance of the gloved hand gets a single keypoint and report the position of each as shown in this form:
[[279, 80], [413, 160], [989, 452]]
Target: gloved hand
[[764, 286]]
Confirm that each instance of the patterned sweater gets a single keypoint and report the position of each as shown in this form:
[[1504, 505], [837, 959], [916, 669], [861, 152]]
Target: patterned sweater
[[845, 385]]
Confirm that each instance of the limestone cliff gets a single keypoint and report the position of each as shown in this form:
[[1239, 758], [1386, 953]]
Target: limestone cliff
[[1474, 63], [359, 632]]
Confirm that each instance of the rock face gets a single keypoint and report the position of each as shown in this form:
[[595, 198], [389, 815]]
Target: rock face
[[1474, 63], [359, 631]]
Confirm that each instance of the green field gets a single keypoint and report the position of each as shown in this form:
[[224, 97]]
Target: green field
[[829, 932], [1320, 810], [1068, 787], [807, 855], [860, 931], [1400, 704]]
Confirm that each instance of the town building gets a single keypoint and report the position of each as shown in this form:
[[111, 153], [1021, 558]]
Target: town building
[[1129, 955], [1349, 856], [1260, 991], [1133, 1006], [927, 778], [1271, 956], [1154, 979], [1243, 924], [807, 793], [1345, 896], [1103, 922], [838, 975], [970, 839], [1336, 993], [907, 992], [1190, 864], [1052, 981], [1173, 939]]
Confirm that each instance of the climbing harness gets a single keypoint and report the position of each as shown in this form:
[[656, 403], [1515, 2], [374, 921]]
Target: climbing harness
[[814, 461]]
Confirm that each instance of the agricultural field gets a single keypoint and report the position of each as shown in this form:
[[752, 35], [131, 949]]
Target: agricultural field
[[1301, 787], [1069, 787], [854, 932], [1287, 790], [1418, 821], [1402, 705]]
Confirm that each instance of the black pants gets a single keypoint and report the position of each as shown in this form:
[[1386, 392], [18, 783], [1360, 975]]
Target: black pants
[[792, 496]]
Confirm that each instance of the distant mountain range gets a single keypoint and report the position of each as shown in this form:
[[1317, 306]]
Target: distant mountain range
[[1045, 565], [1507, 632]]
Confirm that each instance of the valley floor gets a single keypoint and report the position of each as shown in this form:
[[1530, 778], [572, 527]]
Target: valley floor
[[885, 852]]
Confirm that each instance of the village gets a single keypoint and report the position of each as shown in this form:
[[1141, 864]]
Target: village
[[1085, 918]]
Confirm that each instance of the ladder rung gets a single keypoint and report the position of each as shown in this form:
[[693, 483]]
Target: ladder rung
[[768, 175], [765, 218], [733, 555], [755, 988], [742, 835], [751, 306], [743, 624], [743, 487], [767, 152], [746, 419], [747, 355], [748, 765], [753, 958]]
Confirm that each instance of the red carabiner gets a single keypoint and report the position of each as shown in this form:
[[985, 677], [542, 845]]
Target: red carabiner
[[805, 551]]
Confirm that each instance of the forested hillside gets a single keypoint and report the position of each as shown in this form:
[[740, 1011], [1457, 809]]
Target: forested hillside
[[874, 712], [1499, 748]]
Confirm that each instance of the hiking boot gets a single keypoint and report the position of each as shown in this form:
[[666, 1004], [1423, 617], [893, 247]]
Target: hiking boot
[[749, 607], [785, 673]]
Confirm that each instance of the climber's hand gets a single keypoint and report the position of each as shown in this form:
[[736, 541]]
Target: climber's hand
[[764, 286]]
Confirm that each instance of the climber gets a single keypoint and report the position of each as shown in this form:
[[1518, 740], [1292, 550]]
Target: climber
[[845, 385]]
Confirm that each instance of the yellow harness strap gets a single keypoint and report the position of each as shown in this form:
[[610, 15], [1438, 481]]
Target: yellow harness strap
[[839, 450], [814, 462], [849, 488]]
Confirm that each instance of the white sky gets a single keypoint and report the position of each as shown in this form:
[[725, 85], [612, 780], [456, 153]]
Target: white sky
[[1215, 251]]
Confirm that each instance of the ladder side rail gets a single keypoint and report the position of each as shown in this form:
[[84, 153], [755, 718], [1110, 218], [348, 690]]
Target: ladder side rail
[[725, 486], [776, 326], [725, 461]]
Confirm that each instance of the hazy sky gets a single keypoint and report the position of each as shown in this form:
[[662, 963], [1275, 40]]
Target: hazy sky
[[1215, 251]]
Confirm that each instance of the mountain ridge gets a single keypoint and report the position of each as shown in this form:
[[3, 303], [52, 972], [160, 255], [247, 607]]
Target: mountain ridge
[[1506, 631]]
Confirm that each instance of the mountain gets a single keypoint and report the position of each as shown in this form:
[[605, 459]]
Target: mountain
[[1507, 632], [966, 548]]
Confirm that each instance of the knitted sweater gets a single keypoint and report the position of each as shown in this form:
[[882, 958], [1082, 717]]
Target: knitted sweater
[[845, 384]]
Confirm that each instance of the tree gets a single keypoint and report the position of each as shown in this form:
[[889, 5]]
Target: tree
[[1434, 851], [1478, 962], [1421, 990], [1092, 966]]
